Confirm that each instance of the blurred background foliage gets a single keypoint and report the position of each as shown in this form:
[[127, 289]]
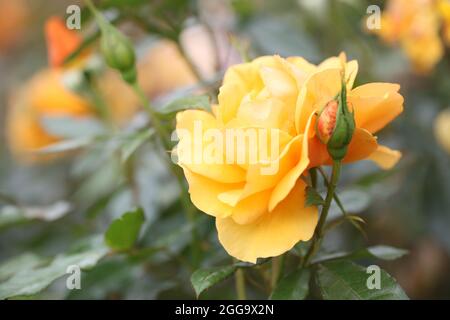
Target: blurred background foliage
[[55, 207]]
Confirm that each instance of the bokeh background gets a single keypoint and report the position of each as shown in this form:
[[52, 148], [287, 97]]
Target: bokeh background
[[51, 203]]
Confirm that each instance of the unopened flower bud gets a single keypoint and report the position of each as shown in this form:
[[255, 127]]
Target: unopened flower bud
[[327, 121], [116, 48], [335, 125]]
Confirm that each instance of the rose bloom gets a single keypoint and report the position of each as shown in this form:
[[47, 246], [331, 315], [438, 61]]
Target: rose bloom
[[264, 215]]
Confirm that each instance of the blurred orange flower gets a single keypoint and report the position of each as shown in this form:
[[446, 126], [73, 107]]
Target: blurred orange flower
[[44, 95], [162, 69], [61, 42], [416, 24], [13, 22], [258, 214]]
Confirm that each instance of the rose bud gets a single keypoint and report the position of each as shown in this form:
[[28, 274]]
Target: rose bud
[[336, 124], [116, 48]]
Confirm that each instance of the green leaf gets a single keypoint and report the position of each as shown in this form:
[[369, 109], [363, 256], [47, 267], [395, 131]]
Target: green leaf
[[300, 249], [67, 145], [12, 214], [377, 252], [17, 264], [71, 128], [381, 252], [133, 142], [203, 279], [313, 198], [345, 280], [171, 233], [193, 102], [124, 231], [355, 200], [29, 274], [355, 220], [100, 173], [295, 286]]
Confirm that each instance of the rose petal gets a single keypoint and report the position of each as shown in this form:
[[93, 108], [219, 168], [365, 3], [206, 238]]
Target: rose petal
[[273, 233]]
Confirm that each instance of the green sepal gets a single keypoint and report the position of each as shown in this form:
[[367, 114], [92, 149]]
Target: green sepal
[[344, 128]]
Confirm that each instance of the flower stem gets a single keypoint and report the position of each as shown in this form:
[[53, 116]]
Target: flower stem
[[335, 196], [99, 103], [340, 205], [240, 284], [313, 173], [319, 231], [161, 131], [277, 269], [185, 200]]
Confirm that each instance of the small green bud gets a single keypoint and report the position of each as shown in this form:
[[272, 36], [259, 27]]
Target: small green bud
[[336, 124], [117, 49]]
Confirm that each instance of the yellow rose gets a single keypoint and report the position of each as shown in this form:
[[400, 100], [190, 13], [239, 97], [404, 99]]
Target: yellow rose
[[261, 213], [257, 214]]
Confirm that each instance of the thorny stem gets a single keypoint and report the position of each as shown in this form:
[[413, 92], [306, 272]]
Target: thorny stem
[[319, 231]]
